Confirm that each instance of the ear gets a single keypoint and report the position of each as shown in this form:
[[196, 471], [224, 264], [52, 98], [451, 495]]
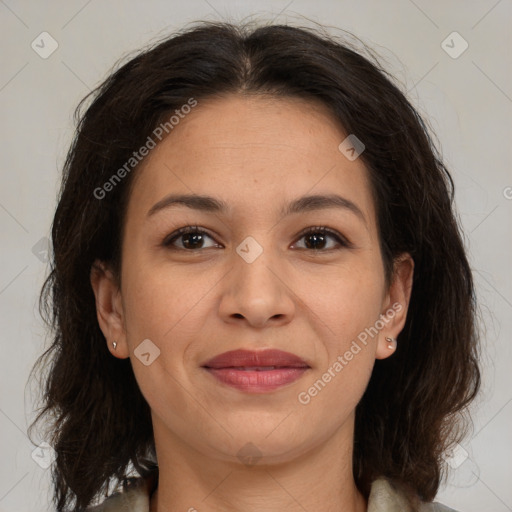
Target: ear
[[396, 304], [109, 308]]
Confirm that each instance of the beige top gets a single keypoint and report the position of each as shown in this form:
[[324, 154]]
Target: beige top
[[383, 498]]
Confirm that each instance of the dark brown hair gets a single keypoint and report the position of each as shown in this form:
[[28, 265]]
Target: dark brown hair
[[414, 407]]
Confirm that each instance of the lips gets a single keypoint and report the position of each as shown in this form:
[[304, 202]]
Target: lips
[[259, 372], [249, 360]]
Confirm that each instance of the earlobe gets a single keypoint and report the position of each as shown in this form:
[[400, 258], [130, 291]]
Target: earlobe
[[392, 343], [109, 309], [396, 306]]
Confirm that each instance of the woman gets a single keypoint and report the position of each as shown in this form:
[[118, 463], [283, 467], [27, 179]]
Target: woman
[[260, 294]]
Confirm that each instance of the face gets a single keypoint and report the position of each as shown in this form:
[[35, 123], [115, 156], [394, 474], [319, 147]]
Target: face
[[247, 277]]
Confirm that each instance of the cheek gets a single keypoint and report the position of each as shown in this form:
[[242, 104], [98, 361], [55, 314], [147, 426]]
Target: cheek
[[346, 300], [343, 317], [161, 306], [164, 300]]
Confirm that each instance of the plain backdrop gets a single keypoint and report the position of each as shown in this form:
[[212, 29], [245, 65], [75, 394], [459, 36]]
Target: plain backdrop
[[465, 93]]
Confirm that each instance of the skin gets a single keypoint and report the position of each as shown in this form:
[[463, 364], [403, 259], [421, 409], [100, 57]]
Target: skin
[[257, 154]]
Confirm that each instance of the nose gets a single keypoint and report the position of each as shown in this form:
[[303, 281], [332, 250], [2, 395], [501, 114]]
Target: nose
[[257, 293]]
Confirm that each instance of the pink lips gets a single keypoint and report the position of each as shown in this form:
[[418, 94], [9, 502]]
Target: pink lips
[[256, 372]]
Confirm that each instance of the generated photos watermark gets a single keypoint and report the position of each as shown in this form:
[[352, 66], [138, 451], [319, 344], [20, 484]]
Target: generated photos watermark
[[156, 136], [305, 397]]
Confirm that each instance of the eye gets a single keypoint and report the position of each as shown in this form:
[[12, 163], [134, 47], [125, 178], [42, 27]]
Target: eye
[[192, 238], [316, 238]]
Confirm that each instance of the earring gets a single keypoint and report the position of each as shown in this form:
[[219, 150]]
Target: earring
[[391, 343], [114, 344]]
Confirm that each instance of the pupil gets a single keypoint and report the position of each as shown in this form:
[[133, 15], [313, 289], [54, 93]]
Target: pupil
[[315, 237], [196, 240]]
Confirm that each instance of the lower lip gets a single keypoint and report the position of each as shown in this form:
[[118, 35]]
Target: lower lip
[[253, 381]]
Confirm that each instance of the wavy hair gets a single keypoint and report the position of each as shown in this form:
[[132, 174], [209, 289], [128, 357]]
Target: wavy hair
[[415, 406]]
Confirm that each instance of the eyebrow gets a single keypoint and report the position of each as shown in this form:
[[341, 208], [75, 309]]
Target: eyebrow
[[300, 205]]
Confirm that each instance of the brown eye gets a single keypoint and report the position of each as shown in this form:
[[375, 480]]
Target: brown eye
[[192, 238], [317, 238]]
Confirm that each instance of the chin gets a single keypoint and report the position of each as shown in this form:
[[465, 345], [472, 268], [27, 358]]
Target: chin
[[253, 447]]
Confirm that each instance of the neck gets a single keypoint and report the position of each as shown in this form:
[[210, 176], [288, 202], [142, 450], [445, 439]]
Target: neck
[[191, 481]]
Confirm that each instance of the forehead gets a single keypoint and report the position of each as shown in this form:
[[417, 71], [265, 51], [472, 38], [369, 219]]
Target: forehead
[[250, 150]]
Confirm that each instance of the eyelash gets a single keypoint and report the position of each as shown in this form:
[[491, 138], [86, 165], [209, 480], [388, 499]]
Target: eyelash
[[341, 240]]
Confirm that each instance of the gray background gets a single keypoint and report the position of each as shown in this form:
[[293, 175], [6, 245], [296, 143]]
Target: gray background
[[467, 100]]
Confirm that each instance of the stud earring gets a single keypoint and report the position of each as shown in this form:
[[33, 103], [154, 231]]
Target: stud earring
[[391, 343], [114, 344]]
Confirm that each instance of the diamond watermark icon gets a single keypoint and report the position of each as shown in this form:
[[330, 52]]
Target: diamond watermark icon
[[351, 147], [456, 457], [43, 455], [44, 45], [147, 352], [454, 45], [249, 454], [41, 249], [249, 249]]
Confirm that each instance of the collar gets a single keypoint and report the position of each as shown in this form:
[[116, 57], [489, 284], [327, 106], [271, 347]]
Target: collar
[[136, 497]]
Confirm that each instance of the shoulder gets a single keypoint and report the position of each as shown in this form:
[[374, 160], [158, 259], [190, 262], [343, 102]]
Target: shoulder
[[135, 497], [133, 500], [435, 507], [385, 497]]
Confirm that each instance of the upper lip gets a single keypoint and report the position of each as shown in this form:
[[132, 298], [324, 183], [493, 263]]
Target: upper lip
[[251, 358]]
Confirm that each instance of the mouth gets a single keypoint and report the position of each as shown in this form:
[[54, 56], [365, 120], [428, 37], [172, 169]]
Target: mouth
[[268, 359], [256, 371], [253, 368]]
